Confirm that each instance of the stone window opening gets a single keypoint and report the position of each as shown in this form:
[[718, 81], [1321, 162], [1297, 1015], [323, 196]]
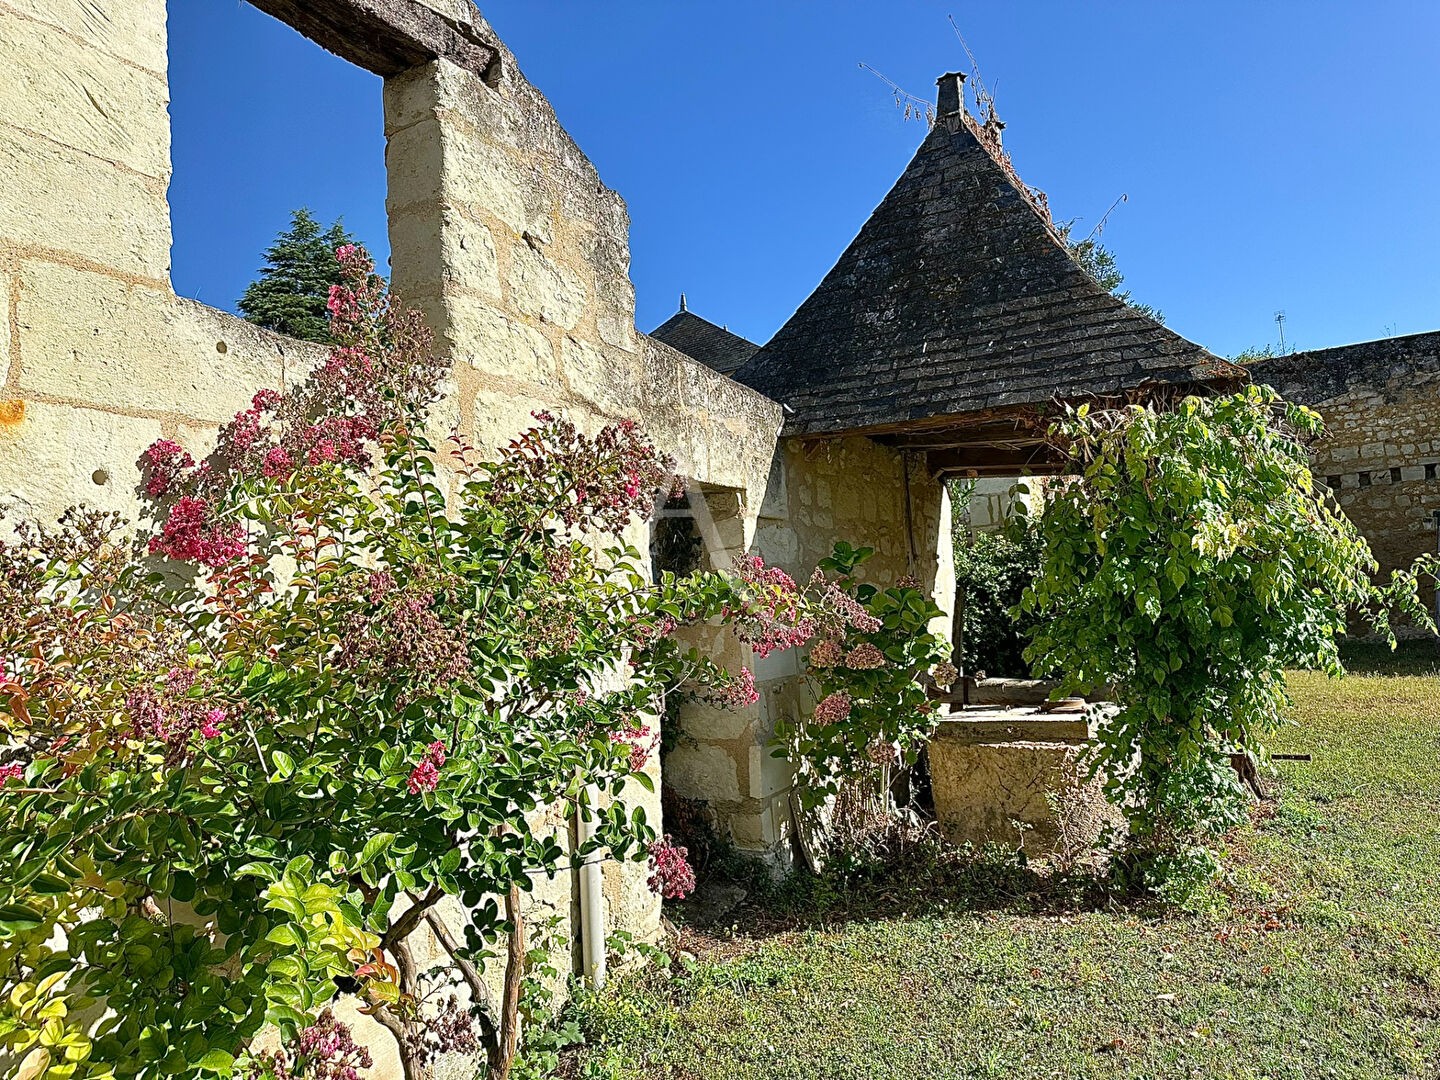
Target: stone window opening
[[237, 135], [702, 529], [1395, 474], [1430, 470]]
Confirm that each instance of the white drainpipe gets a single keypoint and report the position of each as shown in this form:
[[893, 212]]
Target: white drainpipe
[[592, 915]]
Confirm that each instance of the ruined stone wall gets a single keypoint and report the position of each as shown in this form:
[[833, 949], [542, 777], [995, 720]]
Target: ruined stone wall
[[1381, 451], [501, 231], [502, 234], [820, 491], [98, 357]]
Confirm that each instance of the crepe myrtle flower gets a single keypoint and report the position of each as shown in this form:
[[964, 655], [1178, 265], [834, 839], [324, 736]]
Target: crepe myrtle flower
[[864, 657], [671, 874], [426, 775], [833, 708]]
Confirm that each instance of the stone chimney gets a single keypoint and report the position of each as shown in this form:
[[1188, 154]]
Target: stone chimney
[[951, 99]]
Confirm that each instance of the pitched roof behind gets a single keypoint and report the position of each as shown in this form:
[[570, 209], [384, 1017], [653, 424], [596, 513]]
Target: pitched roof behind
[[702, 340], [957, 296]]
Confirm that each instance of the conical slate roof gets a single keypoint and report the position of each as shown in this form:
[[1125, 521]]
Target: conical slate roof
[[958, 296], [700, 339]]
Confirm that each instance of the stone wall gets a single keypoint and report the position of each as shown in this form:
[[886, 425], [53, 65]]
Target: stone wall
[[820, 491], [502, 233], [98, 357], [1381, 451]]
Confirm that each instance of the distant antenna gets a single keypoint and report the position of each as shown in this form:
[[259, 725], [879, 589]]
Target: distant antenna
[[1099, 228], [913, 106], [983, 97], [1280, 322]]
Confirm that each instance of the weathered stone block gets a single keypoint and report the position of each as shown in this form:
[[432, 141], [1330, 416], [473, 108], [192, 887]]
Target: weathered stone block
[[439, 250], [6, 282], [769, 774], [56, 197], [91, 339], [756, 830], [712, 723], [544, 289], [604, 378], [75, 94], [489, 342], [56, 456], [1014, 792], [132, 30], [484, 176], [703, 772]]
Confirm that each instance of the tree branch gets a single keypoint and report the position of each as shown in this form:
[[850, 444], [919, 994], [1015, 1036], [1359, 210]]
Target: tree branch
[[479, 990]]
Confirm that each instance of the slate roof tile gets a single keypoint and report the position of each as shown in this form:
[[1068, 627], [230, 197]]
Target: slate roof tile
[[957, 295]]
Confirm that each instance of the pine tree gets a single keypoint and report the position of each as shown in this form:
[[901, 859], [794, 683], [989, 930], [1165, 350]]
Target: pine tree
[[290, 294]]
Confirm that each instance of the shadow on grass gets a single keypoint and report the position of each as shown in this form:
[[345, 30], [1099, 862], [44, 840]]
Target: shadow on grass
[[916, 878], [1416, 657]]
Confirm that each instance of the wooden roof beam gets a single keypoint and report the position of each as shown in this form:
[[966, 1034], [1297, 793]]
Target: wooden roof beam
[[995, 461]]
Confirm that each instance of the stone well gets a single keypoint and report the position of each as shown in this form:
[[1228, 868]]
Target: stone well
[[1011, 775]]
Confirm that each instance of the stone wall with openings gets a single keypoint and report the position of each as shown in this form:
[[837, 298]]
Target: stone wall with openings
[[501, 232], [1381, 450], [820, 491]]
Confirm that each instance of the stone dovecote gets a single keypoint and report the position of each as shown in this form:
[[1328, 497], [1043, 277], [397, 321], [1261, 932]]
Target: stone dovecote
[[959, 295]]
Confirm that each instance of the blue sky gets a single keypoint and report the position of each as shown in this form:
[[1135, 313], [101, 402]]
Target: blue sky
[[1276, 155]]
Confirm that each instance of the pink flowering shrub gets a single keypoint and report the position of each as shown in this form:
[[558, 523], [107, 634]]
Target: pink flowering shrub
[[353, 666], [872, 663], [670, 872]]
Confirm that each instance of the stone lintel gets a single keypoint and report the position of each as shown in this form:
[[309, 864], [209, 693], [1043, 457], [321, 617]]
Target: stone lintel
[[387, 37], [1014, 726]]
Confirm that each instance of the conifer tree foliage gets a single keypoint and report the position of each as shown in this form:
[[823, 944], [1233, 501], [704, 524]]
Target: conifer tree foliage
[[291, 292]]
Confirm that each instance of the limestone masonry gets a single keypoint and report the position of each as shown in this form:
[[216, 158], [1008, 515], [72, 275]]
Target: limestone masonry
[[506, 238]]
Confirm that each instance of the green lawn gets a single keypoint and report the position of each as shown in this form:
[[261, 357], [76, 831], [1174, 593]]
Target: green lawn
[[1317, 955]]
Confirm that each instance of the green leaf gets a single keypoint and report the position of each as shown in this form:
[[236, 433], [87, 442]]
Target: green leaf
[[375, 846], [217, 1061]]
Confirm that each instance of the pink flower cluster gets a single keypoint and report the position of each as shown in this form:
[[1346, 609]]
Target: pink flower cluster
[[642, 741], [833, 708], [882, 752], [426, 775], [864, 657], [405, 639], [170, 713], [13, 771], [188, 535], [827, 653], [945, 674], [378, 377], [604, 482], [671, 874], [772, 618], [738, 692], [165, 462], [326, 1050]]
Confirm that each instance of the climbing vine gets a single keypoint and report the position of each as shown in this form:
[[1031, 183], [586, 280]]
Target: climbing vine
[[1186, 564]]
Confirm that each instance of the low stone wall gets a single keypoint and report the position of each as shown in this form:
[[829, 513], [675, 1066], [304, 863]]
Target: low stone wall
[[1014, 777]]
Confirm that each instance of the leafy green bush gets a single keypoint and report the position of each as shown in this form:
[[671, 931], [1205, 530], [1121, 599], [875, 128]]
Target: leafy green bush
[[1189, 561], [992, 571]]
